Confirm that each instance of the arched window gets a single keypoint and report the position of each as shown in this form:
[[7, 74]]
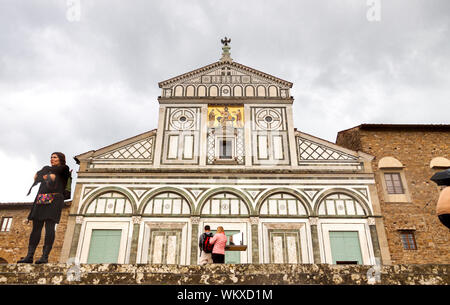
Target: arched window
[[213, 91], [167, 203], [110, 203], [282, 204], [225, 204], [339, 204], [273, 91], [201, 91], [237, 91], [261, 91], [179, 91], [249, 91], [190, 90]]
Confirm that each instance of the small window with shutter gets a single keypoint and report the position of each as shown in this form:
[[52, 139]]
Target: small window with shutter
[[408, 240], [5, 224], [394, 183]]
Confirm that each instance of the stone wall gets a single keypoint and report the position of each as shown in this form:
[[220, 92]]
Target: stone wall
[[217, 274], [414, 146], [14, 244]]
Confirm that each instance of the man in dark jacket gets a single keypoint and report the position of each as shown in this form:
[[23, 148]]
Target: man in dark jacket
[[205, 258]]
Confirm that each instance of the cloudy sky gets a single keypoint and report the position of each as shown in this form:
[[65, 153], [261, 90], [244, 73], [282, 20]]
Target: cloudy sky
[[77, 75]]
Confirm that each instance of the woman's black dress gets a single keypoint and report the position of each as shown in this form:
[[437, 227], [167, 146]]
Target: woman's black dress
[[53, 210]]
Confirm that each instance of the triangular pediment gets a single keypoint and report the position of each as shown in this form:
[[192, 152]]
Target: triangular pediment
[[310, 148], [225, 79], [138, 148]]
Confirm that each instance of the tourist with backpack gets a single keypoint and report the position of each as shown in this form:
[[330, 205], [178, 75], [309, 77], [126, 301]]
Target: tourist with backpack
[[220, 241], [205, 247]]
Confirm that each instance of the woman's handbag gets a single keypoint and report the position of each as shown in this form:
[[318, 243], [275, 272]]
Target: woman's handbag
[[47, 198]]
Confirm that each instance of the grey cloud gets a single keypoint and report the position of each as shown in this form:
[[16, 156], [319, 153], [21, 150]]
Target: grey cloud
[[97, 79]]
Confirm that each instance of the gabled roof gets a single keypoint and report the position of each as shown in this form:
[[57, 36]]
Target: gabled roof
[[332, 150], [114, 147], [224, 63]]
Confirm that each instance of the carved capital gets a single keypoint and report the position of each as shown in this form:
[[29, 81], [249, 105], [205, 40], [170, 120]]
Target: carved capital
[[136, 220], [79, 220], [254, 220], [371, 221], [195, 220], [313, 221]]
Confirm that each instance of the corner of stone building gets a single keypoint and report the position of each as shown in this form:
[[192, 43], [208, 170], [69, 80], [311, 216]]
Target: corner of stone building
[[350, 139]]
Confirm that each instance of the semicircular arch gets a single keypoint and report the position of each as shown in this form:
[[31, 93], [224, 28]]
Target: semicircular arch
[[168, 189], [202, 201], [109, 189], [358, 198], [303, 200], [389, 162]]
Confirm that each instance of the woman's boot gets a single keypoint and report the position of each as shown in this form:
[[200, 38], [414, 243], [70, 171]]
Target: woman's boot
[[45, 254], [29, 258]]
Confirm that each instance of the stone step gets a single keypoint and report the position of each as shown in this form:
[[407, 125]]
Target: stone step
[[224, 274]]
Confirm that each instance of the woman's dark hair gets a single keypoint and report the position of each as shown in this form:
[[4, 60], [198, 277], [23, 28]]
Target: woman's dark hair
[[61, 157]]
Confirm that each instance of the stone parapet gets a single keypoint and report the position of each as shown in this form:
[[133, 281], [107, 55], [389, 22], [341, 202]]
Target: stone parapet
[[239, 274]]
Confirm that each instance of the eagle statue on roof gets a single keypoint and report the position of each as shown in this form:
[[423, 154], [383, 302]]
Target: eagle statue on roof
[[225, 41]]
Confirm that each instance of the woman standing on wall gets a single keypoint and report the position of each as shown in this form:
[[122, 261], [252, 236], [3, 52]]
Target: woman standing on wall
[[47, 206], [219, 240]]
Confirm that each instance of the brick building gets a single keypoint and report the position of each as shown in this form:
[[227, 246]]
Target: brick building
[[406, 156], [15, 232]]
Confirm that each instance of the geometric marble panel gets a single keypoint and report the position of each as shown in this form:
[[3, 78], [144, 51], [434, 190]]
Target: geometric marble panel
[[139, 191], [253, 192], [139, 150], [362, 192], [309, 150]]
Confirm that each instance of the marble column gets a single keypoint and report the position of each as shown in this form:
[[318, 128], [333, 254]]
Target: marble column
[[255, 249], [76, 236], [194, 240], [134, 239], [374, 237], [315, 239]]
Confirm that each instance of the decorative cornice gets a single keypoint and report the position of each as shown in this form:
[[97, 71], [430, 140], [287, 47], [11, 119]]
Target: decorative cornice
[[220, 63]]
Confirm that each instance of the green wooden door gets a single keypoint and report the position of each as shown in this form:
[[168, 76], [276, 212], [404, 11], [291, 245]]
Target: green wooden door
[[104, 247], [345, 247], [232, 257]]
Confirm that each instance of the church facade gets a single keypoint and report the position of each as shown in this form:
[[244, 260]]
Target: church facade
[[225, 153]]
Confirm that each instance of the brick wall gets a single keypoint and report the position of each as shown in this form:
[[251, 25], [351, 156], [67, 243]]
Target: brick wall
[[414, 148], [14, 244]]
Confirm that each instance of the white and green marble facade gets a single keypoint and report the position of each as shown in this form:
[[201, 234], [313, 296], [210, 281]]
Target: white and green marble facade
[[144, 206], [283, 189]]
